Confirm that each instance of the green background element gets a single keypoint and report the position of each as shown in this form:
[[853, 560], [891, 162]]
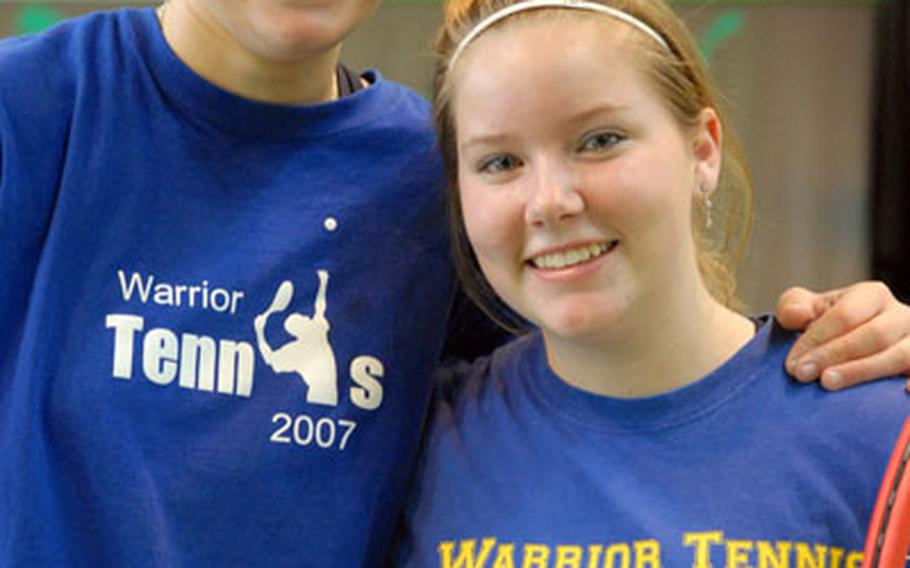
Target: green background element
[[726, 25], [36, 17]]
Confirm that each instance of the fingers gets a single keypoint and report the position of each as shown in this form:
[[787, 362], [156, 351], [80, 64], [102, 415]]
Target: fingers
[[839, 312], [849, 358], [862, 335], [894, 360]]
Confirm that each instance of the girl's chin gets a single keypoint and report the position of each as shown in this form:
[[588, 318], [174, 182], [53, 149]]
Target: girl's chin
[[581, 325]]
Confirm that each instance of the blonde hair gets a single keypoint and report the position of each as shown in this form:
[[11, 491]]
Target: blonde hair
[[681, 78]]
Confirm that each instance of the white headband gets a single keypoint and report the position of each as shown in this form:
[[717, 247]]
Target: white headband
[[569, 4]]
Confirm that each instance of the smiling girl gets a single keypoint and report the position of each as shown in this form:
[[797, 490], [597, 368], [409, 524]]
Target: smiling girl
[[644, 422]]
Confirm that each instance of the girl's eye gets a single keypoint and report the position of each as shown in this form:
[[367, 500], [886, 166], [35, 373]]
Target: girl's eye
[[498, 164], [600, 141]]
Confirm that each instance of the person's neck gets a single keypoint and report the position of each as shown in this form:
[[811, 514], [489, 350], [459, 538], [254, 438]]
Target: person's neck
[[664, 346], [209, 50]]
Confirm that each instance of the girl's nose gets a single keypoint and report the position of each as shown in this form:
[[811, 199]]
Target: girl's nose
[[554, 195]]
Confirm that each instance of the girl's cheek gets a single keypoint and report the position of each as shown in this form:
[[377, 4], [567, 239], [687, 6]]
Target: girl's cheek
[[632, 190], [491, 221]]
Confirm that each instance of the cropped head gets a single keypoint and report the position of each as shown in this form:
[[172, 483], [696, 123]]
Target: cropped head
[[599, 126], [279, 30]]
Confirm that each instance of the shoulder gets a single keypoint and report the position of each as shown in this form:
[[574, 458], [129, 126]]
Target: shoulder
[[887, 394], [61, 44], [489, 379], [408, 100], [862, 418], [397, 107], [869, 415], [44, 69]]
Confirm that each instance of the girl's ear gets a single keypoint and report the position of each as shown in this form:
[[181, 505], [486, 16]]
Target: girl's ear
[[706, 149]]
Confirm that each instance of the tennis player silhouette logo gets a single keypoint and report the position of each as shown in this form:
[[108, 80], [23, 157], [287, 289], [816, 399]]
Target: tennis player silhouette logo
[[309, 354]]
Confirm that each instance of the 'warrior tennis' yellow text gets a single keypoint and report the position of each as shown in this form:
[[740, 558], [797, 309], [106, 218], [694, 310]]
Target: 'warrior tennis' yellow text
[[708, 549]]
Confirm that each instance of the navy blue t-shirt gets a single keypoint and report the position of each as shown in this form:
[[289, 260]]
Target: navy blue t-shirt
[[745, 467], [219, 317]]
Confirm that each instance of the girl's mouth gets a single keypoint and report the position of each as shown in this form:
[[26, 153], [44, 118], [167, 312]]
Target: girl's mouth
[[572, 257]]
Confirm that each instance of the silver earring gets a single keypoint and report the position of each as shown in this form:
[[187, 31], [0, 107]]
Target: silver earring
[[709, 208]]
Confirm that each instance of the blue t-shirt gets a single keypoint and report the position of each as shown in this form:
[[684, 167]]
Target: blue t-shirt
[[745, 467], [218, 316]]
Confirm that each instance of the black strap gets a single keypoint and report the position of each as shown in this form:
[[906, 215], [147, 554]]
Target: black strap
[[348, 81]]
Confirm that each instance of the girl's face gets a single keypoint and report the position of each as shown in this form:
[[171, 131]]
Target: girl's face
[[576, 182]]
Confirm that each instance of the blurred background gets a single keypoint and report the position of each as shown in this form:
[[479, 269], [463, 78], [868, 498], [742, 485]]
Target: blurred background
[[818, 92]]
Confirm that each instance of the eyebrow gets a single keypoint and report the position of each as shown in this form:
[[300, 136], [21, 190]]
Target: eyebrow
[[607, 108], [483, 140], [584, 116]]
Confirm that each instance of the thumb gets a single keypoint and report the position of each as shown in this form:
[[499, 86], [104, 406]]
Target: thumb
[[798, 307]]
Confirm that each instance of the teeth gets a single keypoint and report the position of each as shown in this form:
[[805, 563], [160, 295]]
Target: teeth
[[570, 257]]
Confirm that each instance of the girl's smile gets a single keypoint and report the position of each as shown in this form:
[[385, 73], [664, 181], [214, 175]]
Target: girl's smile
[[572, 261]]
